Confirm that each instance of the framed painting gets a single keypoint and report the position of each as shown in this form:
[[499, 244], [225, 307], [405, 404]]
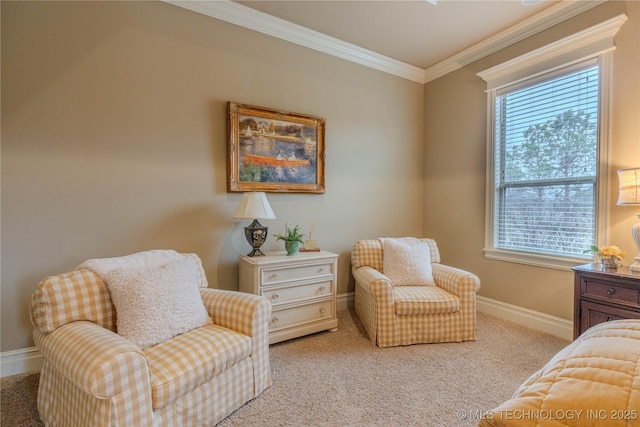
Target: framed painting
[[274, 151]]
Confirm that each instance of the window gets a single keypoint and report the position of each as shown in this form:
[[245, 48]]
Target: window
[[547, 147]]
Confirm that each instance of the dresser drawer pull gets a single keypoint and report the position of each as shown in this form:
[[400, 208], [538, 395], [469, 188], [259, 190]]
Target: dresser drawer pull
[[322, 288], [274, 276], [321, 270], [322, 310], [275, 297], [611, 291], [274, 320]]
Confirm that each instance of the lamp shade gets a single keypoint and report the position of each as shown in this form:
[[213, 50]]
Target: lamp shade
[[629, 189], [254, 205]]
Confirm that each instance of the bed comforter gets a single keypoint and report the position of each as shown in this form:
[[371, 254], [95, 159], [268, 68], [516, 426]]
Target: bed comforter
[[594, 381]]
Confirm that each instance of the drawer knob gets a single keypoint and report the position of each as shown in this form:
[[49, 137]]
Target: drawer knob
[[275, 297], [274, 276], [611, 291], [322, 288], [274, 320], [321, 270], [322, 310]]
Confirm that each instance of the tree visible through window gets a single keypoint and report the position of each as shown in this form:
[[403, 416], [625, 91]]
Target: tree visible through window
[[546, 145]]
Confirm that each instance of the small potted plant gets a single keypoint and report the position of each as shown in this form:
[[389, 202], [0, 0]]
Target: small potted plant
[[609, 255], [292, 239]]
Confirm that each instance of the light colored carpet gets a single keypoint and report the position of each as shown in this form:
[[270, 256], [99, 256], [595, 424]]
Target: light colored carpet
[[341, 379]]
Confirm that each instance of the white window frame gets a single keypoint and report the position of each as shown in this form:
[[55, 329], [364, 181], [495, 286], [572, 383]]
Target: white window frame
[[594, 42]]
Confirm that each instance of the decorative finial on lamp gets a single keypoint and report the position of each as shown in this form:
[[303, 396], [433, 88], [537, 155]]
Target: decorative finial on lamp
[[254, 206], [629, 195]]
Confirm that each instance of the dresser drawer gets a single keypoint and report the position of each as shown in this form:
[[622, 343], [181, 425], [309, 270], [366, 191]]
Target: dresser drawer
[[610, 291], [293, 316], [593, 314], [302, 291], [279, 296], [278, 275]]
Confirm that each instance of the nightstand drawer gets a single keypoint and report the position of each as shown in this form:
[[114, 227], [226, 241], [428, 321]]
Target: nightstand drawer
[[274, 276], [610, 291], [279, 296], [293, 316], [601, 295], [593, 314]]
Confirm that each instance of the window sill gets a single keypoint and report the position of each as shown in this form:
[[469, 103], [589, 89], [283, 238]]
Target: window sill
[[537, 260]]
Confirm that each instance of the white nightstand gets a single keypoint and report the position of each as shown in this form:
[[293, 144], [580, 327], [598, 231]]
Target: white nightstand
[[301, 288]]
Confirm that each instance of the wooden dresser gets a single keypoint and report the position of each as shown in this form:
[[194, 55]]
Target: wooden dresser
[[602, 295], [301, 288]]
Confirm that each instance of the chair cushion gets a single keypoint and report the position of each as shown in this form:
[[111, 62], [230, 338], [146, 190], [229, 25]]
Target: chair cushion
[[407, 262], [185, 362], [421, 300], [156, 303]]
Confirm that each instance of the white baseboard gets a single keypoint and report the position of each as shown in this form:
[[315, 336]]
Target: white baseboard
[[523, 316], [20, 361], [30, 360], [345, 301]]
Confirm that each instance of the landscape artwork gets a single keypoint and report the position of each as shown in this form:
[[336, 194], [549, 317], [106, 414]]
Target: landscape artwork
[[274, 151]]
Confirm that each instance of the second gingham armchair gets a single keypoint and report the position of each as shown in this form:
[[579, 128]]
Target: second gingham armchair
[[403, 311]]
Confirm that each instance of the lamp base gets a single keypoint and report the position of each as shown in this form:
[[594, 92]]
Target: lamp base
[[256, 234], [635, 233], [255, 252]]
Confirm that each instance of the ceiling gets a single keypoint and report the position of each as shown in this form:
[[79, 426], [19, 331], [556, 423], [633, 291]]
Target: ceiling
[[416, 39], [412, 31]]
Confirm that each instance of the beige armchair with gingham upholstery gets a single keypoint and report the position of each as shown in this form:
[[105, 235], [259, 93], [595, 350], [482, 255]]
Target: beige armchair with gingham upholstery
[[93, 376], [401, 315]]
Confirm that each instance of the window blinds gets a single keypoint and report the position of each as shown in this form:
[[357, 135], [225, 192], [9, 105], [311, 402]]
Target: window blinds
[[546, 145]]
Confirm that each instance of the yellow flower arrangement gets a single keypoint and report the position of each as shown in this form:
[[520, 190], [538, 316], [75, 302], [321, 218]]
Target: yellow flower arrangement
[[610, 251]]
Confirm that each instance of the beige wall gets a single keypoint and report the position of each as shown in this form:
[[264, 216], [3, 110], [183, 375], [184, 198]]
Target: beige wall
[[114, 141], [455, 147]]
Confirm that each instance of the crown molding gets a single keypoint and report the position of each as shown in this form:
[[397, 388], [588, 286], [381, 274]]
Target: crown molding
[[583, 44], [237, 14], [252, 19], [547, 18]]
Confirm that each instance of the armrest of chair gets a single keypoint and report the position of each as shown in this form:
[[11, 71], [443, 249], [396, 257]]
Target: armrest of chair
[[455, 280], [242, 312], [374, 282], [98, 361], [248, 314]]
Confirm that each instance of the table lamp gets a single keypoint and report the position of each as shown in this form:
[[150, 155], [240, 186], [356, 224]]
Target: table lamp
[[629, 194], [254, 205]]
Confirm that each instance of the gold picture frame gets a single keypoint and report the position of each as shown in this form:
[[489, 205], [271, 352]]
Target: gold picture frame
[[274, 151]]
